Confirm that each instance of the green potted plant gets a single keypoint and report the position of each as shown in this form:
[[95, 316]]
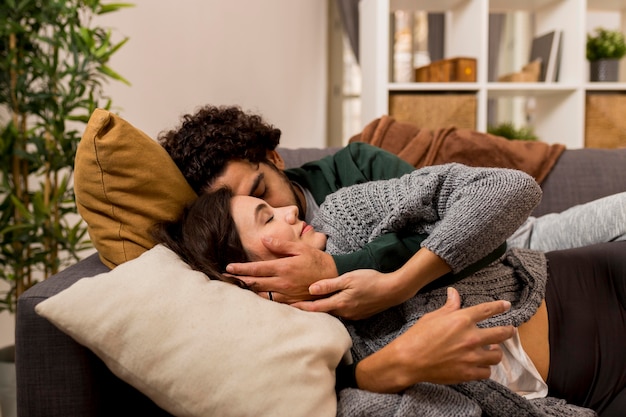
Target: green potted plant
[[53, 67], [509, 131], [604, 50], [53, 70]]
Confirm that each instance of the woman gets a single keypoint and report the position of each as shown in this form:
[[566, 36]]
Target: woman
[[432, 201]]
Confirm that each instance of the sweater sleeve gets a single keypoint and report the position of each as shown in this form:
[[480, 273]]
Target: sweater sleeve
[[355, 164], [465, 212]]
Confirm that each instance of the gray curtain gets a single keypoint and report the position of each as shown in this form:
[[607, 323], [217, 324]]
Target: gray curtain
[[349, 12], [496, 27], [435, 36]]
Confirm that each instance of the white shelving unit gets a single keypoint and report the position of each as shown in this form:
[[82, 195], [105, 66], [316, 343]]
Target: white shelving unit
[[560, 106]]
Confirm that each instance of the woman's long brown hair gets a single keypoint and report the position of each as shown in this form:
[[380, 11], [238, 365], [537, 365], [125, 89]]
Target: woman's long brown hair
[[205, 236]]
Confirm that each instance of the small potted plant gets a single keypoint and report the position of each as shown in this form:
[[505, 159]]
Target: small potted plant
[[508, 130], [604, 50]]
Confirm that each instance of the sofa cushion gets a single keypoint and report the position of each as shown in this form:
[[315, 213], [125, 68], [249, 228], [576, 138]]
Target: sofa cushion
[[125, 182], [198, 347], [583, 175]]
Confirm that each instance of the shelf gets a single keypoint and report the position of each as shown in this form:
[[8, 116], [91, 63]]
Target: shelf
[[495, 90], [597, 86], [498, 89], [494, 5], [517, 5], [427, 5], [559, 107], [468, 87]]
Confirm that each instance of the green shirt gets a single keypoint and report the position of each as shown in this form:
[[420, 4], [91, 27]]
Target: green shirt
[[354, 164]]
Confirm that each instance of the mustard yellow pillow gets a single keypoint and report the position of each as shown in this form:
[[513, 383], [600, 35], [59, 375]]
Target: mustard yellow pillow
[[125, 182]]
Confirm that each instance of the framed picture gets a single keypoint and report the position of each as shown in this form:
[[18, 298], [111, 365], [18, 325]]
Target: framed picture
[[547, 48]]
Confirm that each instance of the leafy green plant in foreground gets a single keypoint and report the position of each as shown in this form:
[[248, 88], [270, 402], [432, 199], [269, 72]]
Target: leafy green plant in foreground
[[53, 67]]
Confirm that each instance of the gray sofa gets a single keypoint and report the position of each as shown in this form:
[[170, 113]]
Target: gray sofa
[[57, 377]]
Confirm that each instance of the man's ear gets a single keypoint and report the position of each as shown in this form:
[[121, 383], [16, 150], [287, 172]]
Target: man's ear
[[275, 158]]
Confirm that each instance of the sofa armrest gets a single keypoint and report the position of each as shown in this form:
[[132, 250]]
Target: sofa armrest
[[57, 377]]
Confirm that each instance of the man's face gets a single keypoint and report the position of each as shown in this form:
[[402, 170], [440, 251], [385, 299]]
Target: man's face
[[261, 180]]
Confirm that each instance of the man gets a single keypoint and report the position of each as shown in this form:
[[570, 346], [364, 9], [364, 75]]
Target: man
[[226, 147]]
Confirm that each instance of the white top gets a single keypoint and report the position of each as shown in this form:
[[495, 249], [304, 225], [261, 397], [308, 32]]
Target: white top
[[517, 372]]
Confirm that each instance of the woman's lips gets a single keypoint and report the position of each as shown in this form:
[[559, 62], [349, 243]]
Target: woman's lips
[[305, 228]]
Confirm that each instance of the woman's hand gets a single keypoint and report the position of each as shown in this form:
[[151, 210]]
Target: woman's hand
[[444, 347], [289, 277]]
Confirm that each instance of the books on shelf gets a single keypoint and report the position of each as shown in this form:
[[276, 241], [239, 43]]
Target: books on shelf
[[547, 48]]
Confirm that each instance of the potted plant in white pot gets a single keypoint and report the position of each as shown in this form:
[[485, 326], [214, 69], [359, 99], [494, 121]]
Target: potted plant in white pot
[[604, 50], [53, 69]]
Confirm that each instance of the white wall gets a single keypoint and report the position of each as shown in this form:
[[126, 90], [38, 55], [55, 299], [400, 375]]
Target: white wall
[[267, 56], [7, 323]]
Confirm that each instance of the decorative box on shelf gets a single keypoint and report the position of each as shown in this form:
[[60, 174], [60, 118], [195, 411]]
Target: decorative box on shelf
[[605, 126], [434, 111], [529, 74], [460, 69]]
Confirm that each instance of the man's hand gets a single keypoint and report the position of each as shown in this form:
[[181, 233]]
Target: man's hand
[[289, 277], [356, 295], [362, 293], [443, 347]]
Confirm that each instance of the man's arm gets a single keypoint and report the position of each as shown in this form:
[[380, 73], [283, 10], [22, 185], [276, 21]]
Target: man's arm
[[289, 278], [365, 292], [444, 347]]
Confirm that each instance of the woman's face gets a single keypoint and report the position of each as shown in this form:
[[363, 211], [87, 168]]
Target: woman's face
[[255, 219]]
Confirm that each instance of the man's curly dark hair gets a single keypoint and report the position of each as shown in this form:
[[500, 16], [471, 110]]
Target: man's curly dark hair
[[207, 140]]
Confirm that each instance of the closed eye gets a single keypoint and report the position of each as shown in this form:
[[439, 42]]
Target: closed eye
[[260, 210], [256, 186]]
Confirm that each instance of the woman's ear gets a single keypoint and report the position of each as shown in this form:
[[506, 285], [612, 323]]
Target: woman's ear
[[275, 158]]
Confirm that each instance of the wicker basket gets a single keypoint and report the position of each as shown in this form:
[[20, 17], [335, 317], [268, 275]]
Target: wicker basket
[[434, 111], [605, 124]]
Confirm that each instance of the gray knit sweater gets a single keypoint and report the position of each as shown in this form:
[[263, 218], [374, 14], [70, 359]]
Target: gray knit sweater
[[467, 213]]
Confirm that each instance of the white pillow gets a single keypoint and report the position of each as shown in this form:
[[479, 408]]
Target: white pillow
[[201, 348]]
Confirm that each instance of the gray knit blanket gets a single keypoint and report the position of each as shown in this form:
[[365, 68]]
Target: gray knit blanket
[[467, 213]]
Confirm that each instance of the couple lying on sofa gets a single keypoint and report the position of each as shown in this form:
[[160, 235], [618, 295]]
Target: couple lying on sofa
[[446, 220]]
